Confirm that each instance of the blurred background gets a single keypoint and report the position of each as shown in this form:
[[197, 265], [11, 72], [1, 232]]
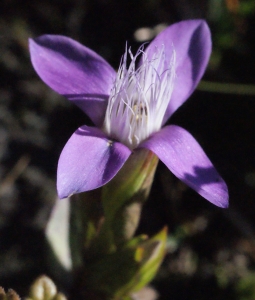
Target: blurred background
[[211, 251]]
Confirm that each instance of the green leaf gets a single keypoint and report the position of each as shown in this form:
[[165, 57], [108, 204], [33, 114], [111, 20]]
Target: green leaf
[[117, 275], [149, 255]]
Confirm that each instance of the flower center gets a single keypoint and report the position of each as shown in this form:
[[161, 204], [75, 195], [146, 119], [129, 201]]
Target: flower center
[[139, 97]]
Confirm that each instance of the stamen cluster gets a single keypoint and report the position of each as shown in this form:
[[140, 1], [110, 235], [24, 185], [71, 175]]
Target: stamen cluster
[[139, 97]]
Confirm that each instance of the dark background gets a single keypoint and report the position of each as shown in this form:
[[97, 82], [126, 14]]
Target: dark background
[[211, 250]]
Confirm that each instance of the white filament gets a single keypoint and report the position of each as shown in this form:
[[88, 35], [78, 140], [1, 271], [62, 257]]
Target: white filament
[[139, 97]]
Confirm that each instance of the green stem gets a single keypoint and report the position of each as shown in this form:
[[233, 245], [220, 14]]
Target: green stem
[[124, 195], [227, 88]]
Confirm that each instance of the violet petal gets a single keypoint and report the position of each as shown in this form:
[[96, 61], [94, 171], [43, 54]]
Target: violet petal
[[191, 41], [88, 161], [182, 154], [74, 71]]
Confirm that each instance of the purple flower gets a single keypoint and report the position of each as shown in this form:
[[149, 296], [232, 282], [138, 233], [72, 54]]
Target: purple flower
[[130, 108]]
